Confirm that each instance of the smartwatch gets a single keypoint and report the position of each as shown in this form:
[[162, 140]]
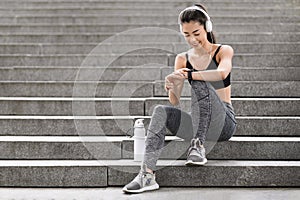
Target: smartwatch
[[190, 78]]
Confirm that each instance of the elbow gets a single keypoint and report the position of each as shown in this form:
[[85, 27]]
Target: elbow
[[223, 74]]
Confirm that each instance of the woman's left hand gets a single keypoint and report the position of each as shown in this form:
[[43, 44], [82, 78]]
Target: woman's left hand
[[182, 72]]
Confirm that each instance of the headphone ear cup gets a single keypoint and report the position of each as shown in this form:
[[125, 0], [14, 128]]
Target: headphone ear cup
[[208, 26], [180, 28]]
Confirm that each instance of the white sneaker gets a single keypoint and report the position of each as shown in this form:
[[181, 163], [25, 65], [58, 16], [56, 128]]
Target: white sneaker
[[196, 153], [144, 181]]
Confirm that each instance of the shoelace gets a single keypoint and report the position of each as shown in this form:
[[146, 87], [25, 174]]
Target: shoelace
[[196, 149], [191, 149]]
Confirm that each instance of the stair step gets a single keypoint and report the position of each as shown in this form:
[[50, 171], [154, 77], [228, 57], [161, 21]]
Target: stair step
[[133, 73], [104, 147], [126, 19], [108, 27], [239, 148], [118, 48], [75, 37], [111, 73], [138, 89], [136, 106], [122, 125], [69, 148], [72, 106], [78, 59], [242, 89], [89, 173], [83, 89], [265, 89], [161, 4], [167, 59], [143, 1], [260, 11], [242, 106]]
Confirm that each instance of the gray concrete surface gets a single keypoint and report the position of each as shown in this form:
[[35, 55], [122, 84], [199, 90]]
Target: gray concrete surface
[[162, 194], [118, 126], [96, 37], [170, 173], [111, 148]]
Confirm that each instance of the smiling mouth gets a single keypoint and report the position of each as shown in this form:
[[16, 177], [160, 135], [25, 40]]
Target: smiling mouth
[[196, 45]]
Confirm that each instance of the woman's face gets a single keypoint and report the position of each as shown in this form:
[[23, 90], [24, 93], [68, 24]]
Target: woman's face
[[194, 34]]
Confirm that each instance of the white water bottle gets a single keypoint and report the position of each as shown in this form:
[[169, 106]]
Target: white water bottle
[[139, 139]]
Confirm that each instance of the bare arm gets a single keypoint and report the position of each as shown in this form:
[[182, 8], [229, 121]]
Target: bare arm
[[174, 82], [224, 68]]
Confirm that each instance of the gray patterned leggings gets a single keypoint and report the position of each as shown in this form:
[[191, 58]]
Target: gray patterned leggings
[[211, 119]]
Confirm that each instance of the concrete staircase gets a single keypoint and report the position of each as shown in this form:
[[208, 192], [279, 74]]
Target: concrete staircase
[[74, 76]]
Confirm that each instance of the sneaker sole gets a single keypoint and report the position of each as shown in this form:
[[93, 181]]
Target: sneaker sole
[[190, 162], [144, 189]]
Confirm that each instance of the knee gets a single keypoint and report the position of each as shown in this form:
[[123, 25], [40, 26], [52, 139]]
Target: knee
[[163, 110], [159, 109]]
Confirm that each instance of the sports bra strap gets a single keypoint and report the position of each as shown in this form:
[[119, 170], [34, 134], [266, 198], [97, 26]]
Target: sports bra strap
[[188, 64], [217, 51]]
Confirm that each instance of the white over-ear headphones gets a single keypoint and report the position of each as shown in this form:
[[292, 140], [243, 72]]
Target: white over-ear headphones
[[208, 24]]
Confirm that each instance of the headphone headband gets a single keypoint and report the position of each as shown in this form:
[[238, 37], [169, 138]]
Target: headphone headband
[[196, 8], [208, 23]]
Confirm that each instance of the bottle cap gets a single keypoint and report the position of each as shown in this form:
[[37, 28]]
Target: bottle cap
[[139, 123]]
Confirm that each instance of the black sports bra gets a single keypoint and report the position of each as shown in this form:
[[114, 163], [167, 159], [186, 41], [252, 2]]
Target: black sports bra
[[212, 65]]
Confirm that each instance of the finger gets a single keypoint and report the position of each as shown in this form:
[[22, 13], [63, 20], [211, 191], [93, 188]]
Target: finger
[[186, 69], [178, 73], [182, 74], [168, 78], [167, 88], [169, 83]]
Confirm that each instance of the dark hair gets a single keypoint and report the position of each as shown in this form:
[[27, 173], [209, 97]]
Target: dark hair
[[196, 15]]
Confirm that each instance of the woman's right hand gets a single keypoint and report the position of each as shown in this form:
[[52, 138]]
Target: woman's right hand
[[173, 85], [173, 80]]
